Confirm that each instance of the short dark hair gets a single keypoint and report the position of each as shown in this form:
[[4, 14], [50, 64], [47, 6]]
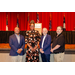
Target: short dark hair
[[60, 27], [32, 22]]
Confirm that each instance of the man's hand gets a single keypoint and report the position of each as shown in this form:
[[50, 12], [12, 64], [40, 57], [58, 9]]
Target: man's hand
[[19, 51], [41, 50], [56, 47], [51, 50]]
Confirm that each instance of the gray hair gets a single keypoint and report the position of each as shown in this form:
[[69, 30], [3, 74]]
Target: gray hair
[[45, 29]]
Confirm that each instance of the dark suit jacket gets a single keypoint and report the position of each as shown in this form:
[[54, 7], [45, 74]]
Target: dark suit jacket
[[13, 42], [46, 45]]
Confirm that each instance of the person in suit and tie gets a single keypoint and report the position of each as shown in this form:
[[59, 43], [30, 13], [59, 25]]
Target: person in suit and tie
[[45, 46], [17, 44]]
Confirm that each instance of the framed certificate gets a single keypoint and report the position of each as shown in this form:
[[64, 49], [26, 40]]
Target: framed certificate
[[38, 26]]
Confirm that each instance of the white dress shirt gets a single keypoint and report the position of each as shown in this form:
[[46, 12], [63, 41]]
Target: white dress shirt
[[18, 38], [43, 39]]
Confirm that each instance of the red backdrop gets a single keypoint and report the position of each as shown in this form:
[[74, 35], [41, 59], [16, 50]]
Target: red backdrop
[[44, 18]]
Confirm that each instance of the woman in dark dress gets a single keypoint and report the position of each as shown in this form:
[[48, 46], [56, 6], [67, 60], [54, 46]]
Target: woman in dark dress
[[32, 40]]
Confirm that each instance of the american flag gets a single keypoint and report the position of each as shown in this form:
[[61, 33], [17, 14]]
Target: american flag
[[7, 23], [17, 20], [37, 17], [28, 26], [64, 27], [50, 23]]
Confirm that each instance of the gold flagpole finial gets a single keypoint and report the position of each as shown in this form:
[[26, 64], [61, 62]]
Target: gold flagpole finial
[[64, 14]]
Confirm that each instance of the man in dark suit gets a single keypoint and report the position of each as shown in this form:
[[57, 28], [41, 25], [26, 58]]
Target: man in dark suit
[[17, 43], [45, 46]]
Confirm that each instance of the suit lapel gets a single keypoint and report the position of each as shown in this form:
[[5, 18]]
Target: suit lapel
[[42, 38], [45, 37], [45, 40], [20, 39], [15, 38]]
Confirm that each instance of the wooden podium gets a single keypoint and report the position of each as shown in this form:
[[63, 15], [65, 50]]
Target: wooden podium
[[38, 26]]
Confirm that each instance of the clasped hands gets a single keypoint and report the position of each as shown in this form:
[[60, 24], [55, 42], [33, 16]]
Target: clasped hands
[[33, 49], [51, 50], [41, 50], [19, 51]]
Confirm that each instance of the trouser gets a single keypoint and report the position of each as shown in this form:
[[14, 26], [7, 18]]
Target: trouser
[[45, 57], [17, 58], [59, 57]]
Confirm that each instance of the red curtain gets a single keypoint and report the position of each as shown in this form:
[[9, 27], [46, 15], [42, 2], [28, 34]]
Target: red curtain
[[44, 18], [2, 21]]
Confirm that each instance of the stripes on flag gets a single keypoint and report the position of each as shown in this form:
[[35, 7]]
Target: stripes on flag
[[28, 26], [64, 27], [50, 23], [7, 22], [17, 20], [37, 17]]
